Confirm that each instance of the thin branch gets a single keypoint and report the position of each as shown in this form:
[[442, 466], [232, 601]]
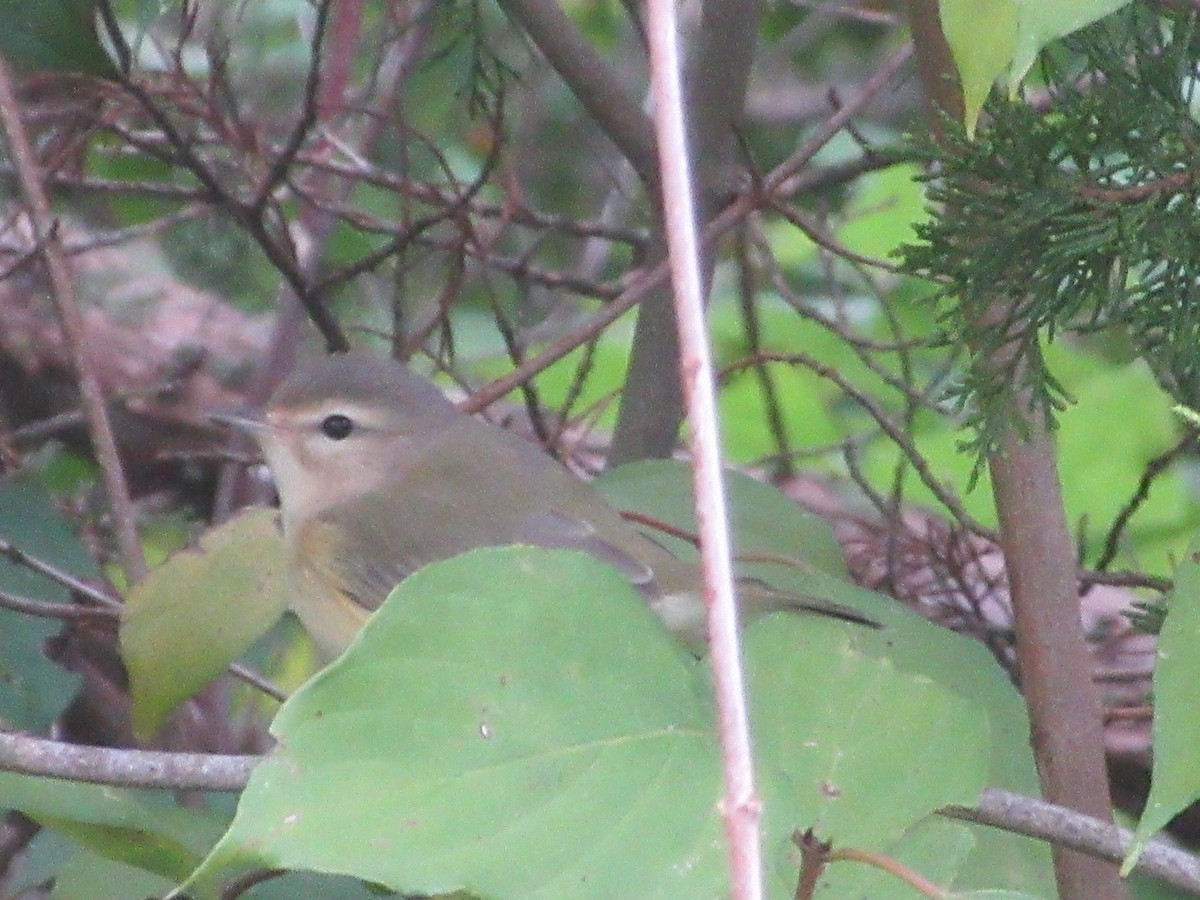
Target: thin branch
[[779, 180], [920, 465], [46, 235], [1085, 834], [47, 609], [1154, 468], [752, 328], [893, 867], [787, 176], [352, 11], [238, 886], [123, 767], [591, 79], [741, 807], [815, 232]]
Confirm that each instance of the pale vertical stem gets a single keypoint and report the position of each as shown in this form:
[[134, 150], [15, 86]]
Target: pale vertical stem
[[741, 807]]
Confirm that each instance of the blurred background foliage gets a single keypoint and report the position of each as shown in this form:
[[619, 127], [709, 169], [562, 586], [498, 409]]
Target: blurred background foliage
[[455, 202]]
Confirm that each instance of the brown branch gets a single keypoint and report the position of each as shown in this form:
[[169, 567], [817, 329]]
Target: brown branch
[[813, 230], [1175, 182], [238, 886], [752, 328], [51, 610], [814, 853], [1054, 662], [779, 180], [893, 868], [45, 232], [591, 79]]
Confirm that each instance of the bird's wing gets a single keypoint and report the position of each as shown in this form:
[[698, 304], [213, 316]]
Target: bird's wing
[[444, 503], [556, 529]]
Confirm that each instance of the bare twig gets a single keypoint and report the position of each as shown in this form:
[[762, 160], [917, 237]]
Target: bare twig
[[123, 767], [749, 301], [1067, 828], [893, 868], [1154, 468], [238, 886], [779, 180], [893, 430], [48, 609], [46, 235]]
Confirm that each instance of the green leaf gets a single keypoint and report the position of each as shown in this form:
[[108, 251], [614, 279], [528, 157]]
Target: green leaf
[[540, 734], [33, 690], [537, 730], [836, 755], [987, 37], [774, 524], [90, 876], [764, 521], [1175, 781], [1043, 22], [982, 35], [52, 34], [138, 828], [188, 619], [841, 757]]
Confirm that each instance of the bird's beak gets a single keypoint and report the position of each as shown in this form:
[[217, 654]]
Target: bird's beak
[[248, 421]]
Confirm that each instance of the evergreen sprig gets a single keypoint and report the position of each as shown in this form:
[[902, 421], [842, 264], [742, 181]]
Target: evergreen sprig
[[1073, 216]]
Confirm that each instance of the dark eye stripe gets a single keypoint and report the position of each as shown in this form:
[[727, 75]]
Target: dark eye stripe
[[337, 426]]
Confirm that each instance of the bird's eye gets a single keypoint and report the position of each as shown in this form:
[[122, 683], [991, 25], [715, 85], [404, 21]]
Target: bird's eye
[[337, 427]]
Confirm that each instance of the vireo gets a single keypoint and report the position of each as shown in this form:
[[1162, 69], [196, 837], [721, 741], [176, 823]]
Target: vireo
[[378, 474]]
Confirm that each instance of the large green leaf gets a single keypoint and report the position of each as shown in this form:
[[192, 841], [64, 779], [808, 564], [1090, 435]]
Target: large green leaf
[[764, 521], [514, 722], [982, 35], [32, 689], [843, 730], [498, 723], [188, 619], [1175, 781]]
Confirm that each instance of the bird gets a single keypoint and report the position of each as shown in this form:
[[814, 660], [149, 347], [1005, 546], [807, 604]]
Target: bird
[[378, 473]]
